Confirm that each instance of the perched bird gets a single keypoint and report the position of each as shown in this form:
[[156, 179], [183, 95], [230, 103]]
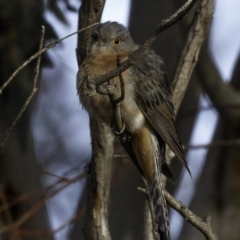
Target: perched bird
[[146, 110]]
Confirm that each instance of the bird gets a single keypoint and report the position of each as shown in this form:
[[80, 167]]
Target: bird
[[146, 110]]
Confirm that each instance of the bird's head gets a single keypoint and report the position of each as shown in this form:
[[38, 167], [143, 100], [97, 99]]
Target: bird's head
[[111, 38]]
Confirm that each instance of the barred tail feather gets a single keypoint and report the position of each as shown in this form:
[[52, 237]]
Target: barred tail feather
[[157, 195]]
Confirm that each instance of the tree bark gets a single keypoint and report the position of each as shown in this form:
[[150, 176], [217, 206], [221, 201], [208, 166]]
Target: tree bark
[[96, 225]]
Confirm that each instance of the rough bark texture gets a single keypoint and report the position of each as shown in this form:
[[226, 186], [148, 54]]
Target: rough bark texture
[[189, 57], [96, 225], [90, 12]]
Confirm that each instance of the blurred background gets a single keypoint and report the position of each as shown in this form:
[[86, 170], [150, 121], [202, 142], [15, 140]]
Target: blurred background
[[50, 147]]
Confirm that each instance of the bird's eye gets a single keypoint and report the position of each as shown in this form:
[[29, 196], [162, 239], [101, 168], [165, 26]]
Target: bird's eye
[[116, 41]]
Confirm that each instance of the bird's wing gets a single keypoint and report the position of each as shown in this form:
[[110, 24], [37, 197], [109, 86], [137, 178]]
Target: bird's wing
[[154, 99]]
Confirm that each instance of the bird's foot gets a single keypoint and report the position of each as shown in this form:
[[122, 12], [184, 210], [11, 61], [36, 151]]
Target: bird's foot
[[123, 135]]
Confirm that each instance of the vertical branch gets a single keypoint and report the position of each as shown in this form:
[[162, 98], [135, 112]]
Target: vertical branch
[[189, 57], [96, 224], [90, 12]]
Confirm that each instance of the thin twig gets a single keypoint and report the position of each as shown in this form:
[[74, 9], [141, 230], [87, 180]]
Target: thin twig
[[49, 46], [34, 90], [202, 226], [33, 193], [5, 205], [64, 179], [215, 144], [42, 233], [41, 203]]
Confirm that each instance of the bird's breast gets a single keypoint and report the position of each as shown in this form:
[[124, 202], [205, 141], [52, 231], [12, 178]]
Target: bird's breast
[[99, 106]]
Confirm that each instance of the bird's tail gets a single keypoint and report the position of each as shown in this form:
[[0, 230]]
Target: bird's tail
[[157, 194]]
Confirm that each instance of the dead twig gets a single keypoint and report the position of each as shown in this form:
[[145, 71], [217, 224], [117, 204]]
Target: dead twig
[[36, 73], [42, 233], [215, 144], [204, 226], [5, 205], [40, 52], [49, 193], [34, 90]]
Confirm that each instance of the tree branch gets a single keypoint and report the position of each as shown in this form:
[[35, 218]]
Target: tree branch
[[216, 144], [40, 52], [34, 90], [225, 98], [50, 192], [202, 226], [189, 57], [96, 224]]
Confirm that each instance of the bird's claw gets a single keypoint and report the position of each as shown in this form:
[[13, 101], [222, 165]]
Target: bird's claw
[[119, 133], [122, 134]]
